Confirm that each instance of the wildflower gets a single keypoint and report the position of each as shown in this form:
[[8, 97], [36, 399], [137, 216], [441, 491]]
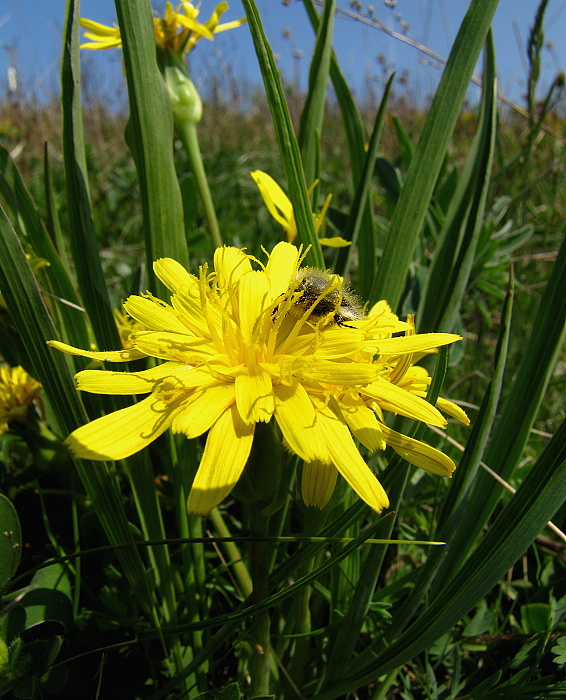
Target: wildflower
[[238, 350], [178, 31], [18, 391], [281, 209]]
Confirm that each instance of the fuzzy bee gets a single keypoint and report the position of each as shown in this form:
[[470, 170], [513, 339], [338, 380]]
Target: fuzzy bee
[[323, 295]]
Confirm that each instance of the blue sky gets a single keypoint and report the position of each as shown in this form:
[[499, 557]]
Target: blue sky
[[30, 37]]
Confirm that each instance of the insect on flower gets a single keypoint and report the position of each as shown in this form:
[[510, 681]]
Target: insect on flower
[[322, 297]]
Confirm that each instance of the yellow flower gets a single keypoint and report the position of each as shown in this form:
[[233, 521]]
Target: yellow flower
[[177, 31], [281, 209], [239, 346], [18, 391]]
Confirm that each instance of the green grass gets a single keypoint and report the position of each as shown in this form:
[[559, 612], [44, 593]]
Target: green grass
[[137, 597]]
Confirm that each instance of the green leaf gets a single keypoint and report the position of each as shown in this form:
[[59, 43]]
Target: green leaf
[[312, 115], [26, 218], [288, 147], [361, 199], [150, 138], [81, 230], [10, 540], [427, 161], [50, 367], [48, 600], [534, 503], [455, 250]]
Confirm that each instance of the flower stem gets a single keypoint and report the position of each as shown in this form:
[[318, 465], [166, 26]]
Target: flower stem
[[261, 630], [188, 134]]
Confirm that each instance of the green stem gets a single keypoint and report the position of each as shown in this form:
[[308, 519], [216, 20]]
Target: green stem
[[261, 630], [188, 134], [235, 562]]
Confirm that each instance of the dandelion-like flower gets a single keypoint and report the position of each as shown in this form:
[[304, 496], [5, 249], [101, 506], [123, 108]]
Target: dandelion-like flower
[[281, 209], [18, 391], [239, 346], [178, 31]]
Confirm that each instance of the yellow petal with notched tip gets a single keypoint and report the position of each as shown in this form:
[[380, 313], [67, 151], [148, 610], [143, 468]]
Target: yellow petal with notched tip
[[362, 422], [345, 456], [227, 450], [98, 381], [397, 400], [419, 453], [122, 433], [173, 274], [230, 264], [281, 267], [318, 482], [154, 316], [453, 410], [415, 343]]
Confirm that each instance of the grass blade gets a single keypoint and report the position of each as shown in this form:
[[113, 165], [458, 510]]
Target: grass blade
[[413, 203], [150, 138], [288, 146]]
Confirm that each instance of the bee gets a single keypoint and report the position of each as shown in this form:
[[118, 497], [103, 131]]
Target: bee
[[325, 296]]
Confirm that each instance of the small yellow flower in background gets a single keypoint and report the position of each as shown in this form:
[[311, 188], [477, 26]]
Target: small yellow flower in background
[[239, 346], [18, 391], [177, 31], [127, 325], [281, 209]]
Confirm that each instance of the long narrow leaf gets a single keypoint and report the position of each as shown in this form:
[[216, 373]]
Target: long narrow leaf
[[81, 231], [535, 502], [521, 406], [288, 147], [416, 194], [454, 254], [150, 138], [28, 311], [312, 115]]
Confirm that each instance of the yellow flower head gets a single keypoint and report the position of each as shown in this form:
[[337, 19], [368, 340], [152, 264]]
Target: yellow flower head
[[177, 31], [242, 345], [281, 209], [18, 391]]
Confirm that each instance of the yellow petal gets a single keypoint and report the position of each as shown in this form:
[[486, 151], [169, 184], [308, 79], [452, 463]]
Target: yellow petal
[[453, 410], [122, 433], [230, 264], [362, 422], [318, 483], [254, 397], [173, 275], [296, 417], [98, 381], [201, 410], [253, 298], [277, 202], [346, 373], [419, 453], [345, 456], [178, 347], [227, 450], [334, 343], [335, 242], [282, 265], [154, 316], [108, 356], [415, 343], [399, 401]]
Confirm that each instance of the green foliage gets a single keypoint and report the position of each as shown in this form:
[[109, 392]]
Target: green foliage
[[457, 217]]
